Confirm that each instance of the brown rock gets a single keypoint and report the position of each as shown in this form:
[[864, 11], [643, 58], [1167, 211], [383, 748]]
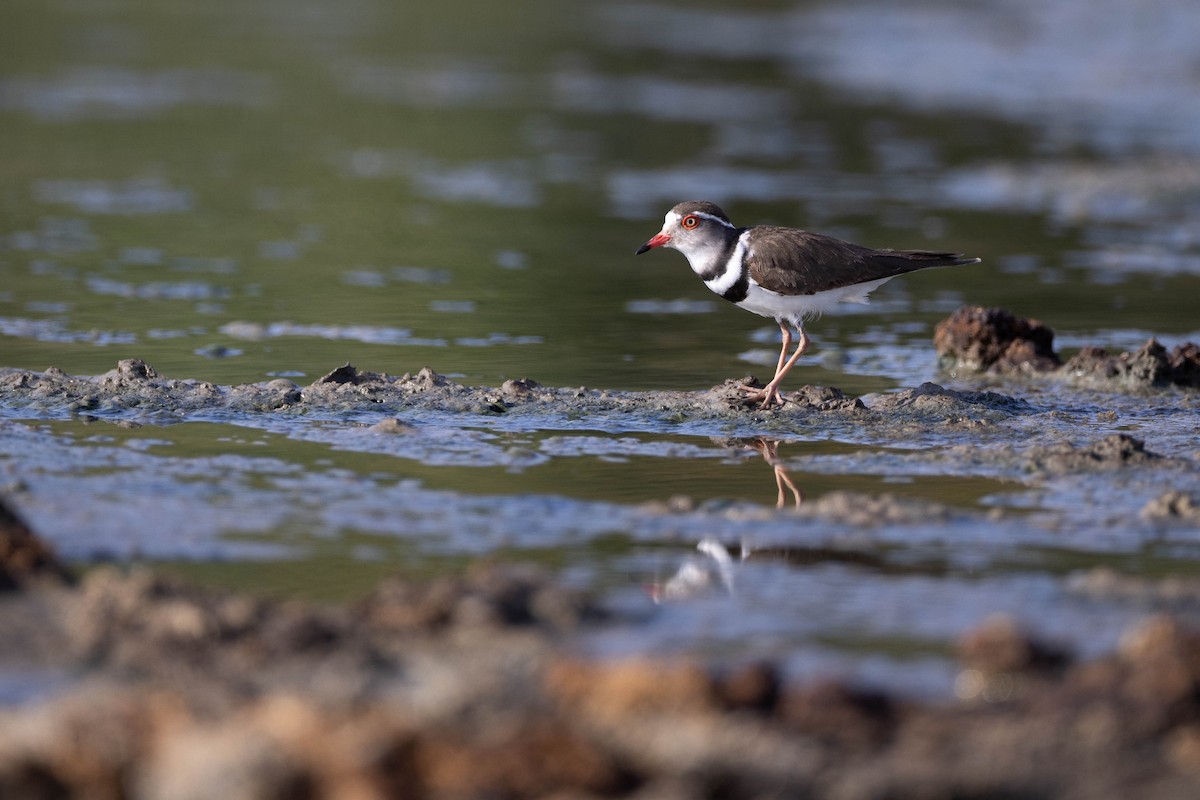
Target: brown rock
[[82, 745], [752, 687], [1000, 646], [631, 688], [840, 714], [441, 714], [1163, 659], [24, 558], [534, 760], [1183, 748], [993, 340]]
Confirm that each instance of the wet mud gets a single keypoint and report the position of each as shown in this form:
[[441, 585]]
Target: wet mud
[[471, 687], [499, 680], [972, 340], [135, 390]]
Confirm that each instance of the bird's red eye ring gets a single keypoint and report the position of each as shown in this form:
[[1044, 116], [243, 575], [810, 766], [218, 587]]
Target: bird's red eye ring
[[690, 221]]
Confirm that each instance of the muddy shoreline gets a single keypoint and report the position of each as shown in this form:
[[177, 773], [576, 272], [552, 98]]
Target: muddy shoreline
[[972, 342], [125, 682], [470, 687]]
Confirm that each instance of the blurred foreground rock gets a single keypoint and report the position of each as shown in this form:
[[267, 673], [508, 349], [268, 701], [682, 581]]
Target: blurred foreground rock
[[468, 687], [24, 558]]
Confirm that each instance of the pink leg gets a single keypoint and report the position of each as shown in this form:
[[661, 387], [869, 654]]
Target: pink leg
[[758, 394], [771, 392], [787, 342]]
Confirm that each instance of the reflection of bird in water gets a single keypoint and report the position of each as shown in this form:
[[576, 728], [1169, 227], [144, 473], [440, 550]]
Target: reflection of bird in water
[[697, 575], [769, 450]]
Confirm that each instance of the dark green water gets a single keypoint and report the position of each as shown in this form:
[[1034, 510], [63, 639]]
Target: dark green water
[[453, 179]]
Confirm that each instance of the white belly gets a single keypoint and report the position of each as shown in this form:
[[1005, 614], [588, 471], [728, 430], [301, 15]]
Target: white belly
[[796, 308]]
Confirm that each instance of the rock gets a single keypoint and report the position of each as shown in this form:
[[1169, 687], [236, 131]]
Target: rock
[[981, 339], [633, 687], [931, 403], [25, 560], [993, 340], [392, 425], [273, 395], [429, 379], [731, 397], [851, 718], [1145, 367], [130, 371], [1000, 646], [536, 759], [1112, 452], [520, 388], [1161, 671], [486, 595], [224, 695], [343, 374], [931, 395], [752, 687], [251, 755], [1184, 365], [823, 398], [83, 744], [1172, 505]]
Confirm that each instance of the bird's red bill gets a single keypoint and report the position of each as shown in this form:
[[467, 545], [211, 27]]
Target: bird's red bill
[[658, 240]]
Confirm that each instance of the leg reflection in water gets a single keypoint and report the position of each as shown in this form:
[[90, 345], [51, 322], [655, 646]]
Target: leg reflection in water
[[770, 453], [769, 450]]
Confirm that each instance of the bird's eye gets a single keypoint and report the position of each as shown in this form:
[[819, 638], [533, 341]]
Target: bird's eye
[[690, 221]]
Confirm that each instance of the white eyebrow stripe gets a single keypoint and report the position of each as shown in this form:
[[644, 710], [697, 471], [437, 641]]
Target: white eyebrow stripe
[[712, 217]]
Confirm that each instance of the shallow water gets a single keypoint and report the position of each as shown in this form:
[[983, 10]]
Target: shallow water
[[245, 191]]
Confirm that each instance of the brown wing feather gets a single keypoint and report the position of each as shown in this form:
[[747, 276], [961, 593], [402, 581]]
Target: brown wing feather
[[792, 262]]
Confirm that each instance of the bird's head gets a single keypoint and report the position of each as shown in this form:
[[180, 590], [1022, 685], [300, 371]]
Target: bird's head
[[692, 228]]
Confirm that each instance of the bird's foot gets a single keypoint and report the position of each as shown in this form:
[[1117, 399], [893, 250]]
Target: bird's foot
[[765, 397]]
